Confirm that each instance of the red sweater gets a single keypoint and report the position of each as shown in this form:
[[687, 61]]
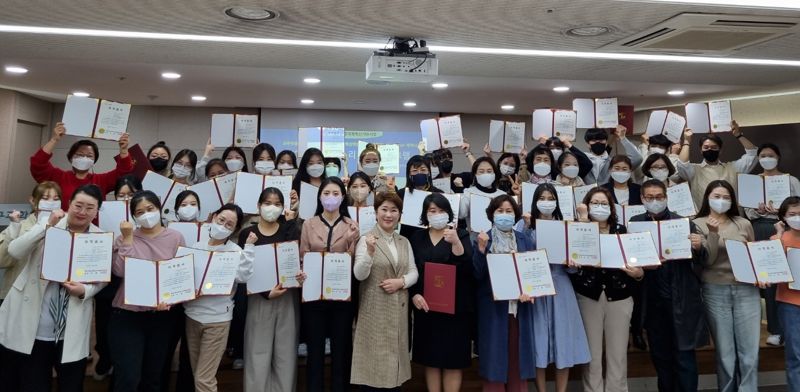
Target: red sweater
[[43, 170]]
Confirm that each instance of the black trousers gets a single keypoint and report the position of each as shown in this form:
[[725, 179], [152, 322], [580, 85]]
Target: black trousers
[[102, 315], [676, 369], [236, 332], [140, 343], [321, 319], [33, 373]]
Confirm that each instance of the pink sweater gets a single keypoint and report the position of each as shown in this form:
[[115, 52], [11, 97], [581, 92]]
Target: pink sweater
[[161, 247]]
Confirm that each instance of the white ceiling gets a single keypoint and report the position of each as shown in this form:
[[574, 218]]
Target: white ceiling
[[257, 75]]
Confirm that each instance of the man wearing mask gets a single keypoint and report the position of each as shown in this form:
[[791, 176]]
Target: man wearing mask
[[701, 174], [597, 139], [673, 308]]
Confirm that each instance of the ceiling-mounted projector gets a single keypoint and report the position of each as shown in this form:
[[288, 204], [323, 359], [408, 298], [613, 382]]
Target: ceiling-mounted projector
[[406, 61]]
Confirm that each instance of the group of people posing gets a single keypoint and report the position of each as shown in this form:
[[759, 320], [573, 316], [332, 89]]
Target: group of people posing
[[373, 338]]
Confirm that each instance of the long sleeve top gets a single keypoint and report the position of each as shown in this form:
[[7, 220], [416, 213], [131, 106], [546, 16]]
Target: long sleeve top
[[219, 308], [601, 163], [717, 267], [43, 170], [363, 264]]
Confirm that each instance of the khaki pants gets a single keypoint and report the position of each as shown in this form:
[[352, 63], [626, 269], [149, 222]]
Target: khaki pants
[[206, 344], [607, 322]]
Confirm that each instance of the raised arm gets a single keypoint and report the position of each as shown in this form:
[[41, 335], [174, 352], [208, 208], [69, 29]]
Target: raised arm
[[748, 161]]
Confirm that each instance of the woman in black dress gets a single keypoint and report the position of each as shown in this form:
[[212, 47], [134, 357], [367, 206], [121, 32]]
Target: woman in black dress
[[442, 340]]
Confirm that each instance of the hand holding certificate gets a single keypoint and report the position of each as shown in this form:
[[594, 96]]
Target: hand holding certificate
[[166, 189], [439, 287], [76, 257], [327, 276], [240, 130], [514, 274], [671, 237], [506, 136], [709, 117], [275, 263], [95, 118], [365, 217], [596, 113], [667, 123], [754, 190], [329, 140], [443, 132], [759, 262], [679, 200], [560, 123], [154, 283], [249, 187]]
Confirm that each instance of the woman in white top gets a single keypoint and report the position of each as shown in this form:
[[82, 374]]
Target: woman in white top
[[625, 192], [208, 318], [485, 177], [44, 324], [385, 265], [184, 167]]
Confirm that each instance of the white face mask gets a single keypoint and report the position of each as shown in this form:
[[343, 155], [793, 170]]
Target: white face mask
[[659, 174], [768, 163], [180, 171], [507, 170], [219, 232], [485, 180], [315, 170], [234, 164], [371, 169], [793, 221], [557, 153], [48, 205], [271, 213], [599, 212], [82, 163], [264, 167], [621, 176], [570, 171], [434, 171], [655, 206], [542, 169], [438, 221], [546, 207], [149, 220], [285, 166], [188, 213], [720, 206], [657, 150]]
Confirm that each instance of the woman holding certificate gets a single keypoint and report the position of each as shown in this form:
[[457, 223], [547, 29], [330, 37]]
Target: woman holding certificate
[[733, 309], [370, 163], [358, 189], [330, 230], [788, 231], [505, 328], [557, 323], [442, 333], [233, 157], [159, 156], [621, 187], [273, 317], [658, 166], [83, 154], [569, 170], [485, 179], [264, 159], [605, 298], [208, 318], [540, 163], [385, 266], [45, 324], [184, 167], [764, 219], [418, 177], [137, 332]]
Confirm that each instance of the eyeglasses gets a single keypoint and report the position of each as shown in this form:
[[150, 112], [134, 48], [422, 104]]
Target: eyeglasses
[[654, 198], [598, 204]]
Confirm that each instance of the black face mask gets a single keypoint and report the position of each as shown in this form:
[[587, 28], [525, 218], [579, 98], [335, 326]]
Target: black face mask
[[446, 166], [598, 148], [711, 155], [158, 164], [419, 180]]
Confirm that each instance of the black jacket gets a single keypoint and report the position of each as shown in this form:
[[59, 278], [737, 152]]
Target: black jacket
[[676, 285], [634, 193], [592, 282]]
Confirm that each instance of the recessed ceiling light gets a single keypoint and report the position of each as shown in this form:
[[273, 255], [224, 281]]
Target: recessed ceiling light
[[380, 45], [676, 93], [409, 104], [588, 31], [80, 93], [311, 80], [170, 75], [250, 13], [561, 89], [306, 101], [507, 107], [439, 85], [198, 98], [16, 70]]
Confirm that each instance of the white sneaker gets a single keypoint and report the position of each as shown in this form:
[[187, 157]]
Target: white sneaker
[[775, 340], [238, 364], [327, 347], [302, 350]]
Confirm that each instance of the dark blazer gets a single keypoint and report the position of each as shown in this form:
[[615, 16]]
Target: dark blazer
[[634, 193], [592, 282], [676, 286]]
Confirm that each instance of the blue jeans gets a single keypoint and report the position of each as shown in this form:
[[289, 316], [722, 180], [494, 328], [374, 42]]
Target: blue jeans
[[734, 317], [790, 318]]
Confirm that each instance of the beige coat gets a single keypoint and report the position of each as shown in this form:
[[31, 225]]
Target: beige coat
[[11, 265], [20, 312], [380, 348]]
